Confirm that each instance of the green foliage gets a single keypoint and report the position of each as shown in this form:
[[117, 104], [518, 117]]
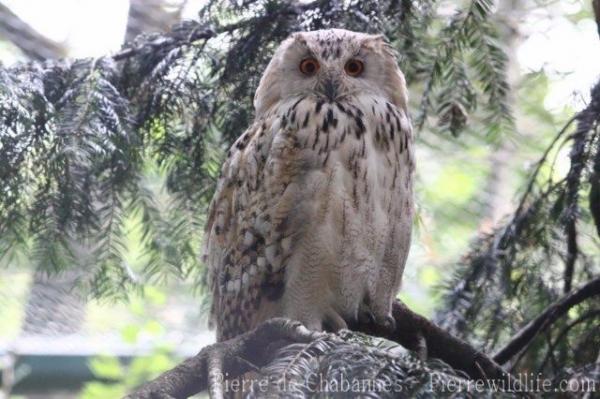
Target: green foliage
[[113, 376], [470, 57], [101, 158], [548, 246]]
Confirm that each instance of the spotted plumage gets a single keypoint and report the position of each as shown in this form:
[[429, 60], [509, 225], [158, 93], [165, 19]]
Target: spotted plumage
[[312, 214]]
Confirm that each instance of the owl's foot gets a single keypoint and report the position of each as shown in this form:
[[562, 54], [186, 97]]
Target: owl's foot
[[388, 322], [333, 322], [385, 322], [365, 316]]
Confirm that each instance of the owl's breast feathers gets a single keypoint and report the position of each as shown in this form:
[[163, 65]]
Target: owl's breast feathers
[[272, 181]]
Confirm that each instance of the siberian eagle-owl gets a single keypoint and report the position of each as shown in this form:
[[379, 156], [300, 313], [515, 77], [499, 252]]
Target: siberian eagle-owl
[[311, 219]]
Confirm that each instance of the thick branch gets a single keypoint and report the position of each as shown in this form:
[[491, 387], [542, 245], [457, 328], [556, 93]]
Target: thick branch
[[192, 375], [545, 319], [412, 328], [257, 346]]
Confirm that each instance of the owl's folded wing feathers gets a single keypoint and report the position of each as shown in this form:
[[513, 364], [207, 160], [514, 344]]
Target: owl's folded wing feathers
[[245, 245]]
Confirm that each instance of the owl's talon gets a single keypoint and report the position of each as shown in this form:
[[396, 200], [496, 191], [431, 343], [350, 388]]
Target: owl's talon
[[366, 317], [389, 323], [344, 333], [333, 322]]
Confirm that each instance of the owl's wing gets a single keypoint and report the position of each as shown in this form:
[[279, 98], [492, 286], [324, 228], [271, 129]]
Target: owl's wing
[[244, 245]]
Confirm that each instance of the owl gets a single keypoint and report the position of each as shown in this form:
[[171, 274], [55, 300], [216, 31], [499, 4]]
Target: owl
[[311, 218]]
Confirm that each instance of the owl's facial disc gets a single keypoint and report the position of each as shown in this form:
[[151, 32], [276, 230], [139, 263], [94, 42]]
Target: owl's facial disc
[[333, 65]]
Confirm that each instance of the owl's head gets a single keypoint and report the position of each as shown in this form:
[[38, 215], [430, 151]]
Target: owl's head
[[331, 64]]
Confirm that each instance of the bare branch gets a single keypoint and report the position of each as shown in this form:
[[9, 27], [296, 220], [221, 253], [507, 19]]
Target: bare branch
[[552, 345], [545, 319], [596, 7]]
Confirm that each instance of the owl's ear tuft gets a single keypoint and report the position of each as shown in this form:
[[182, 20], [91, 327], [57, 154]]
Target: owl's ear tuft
[[299, 38], [374, 42], [269, 92], [394, 78]]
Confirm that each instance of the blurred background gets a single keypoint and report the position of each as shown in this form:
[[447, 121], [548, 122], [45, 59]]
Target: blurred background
[[56, 343]]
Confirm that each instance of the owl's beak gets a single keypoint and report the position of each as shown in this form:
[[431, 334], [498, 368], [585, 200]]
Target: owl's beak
[[330, 88]]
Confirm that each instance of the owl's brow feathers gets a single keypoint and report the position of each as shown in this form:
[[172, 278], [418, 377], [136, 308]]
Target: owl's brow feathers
[[331, 45]]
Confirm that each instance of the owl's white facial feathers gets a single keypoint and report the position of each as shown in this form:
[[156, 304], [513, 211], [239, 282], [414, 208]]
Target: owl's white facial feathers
[[332, 49]]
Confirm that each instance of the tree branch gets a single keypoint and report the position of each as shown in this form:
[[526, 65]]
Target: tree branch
[[204, 32], [411, 329], [596, 7], [32, 43], [207, 368], [553, 344], [149, 16], [227, 358], [545, 319]]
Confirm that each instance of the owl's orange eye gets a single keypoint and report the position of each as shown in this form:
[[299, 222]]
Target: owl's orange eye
[[309, 66], [354, 67]]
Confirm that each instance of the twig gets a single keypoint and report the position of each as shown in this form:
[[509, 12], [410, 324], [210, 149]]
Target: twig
[[572, 252], [596, 7], [594, 197], [33, 44], [206, 33], [595, 373], [539, 164], [578, 157], [522, 338], [563, 333]]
